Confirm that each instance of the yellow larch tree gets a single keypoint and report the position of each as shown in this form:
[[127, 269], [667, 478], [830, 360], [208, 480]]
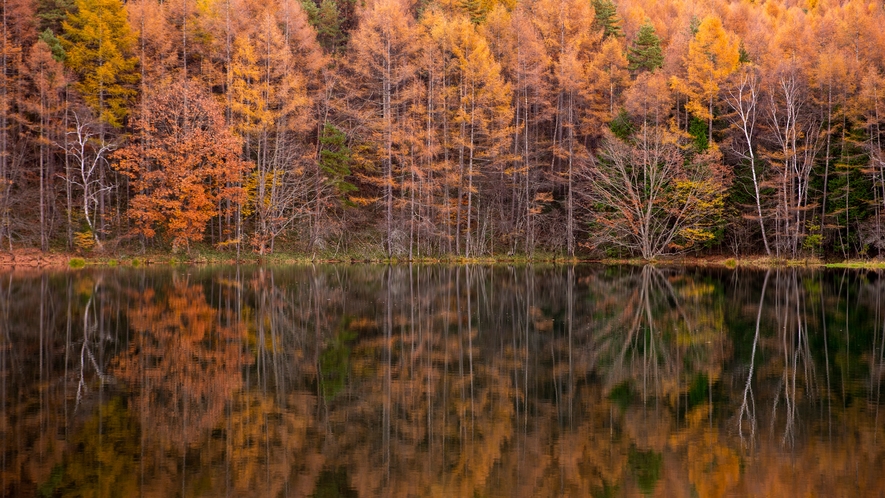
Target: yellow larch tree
[[383, 63], [572, 38], [478, 107], [99, 47], [713, 55]]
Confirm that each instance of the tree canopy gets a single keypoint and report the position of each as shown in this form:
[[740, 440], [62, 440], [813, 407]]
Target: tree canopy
[[445, 127]]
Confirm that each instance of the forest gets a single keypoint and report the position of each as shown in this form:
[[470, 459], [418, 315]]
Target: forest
[[418, 128]]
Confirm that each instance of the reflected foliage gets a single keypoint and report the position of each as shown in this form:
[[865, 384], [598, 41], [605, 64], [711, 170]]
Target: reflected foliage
[[443, 381], [646, 468], [103, 456], [184, 361]]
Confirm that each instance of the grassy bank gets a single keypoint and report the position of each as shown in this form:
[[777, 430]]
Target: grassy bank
[[209, 256], [869, 265], [204, 256], [758, 262]]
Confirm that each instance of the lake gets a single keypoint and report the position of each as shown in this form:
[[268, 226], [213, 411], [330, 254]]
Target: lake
[[510, 381]]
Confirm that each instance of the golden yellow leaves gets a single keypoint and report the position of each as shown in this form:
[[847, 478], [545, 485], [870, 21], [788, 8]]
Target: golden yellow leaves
[[712, 56]]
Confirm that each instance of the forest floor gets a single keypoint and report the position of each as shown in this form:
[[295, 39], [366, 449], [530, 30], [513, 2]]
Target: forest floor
[[34, 258]]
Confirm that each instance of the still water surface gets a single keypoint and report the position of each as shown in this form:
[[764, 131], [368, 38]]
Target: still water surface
[[442, 381]]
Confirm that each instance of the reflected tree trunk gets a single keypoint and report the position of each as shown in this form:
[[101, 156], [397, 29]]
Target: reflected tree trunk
[[748, 406]]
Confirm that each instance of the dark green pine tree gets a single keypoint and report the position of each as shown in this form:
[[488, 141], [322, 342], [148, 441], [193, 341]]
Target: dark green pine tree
[[58, 51], [335, 158], [51, 13], [333, 21], [645, 53], [607, 18]]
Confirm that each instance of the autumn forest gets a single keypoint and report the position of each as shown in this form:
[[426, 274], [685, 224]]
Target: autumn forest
[[408, 129]]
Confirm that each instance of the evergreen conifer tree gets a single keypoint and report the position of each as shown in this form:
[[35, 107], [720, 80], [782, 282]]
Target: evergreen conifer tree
[[645, 53], [607, 18]]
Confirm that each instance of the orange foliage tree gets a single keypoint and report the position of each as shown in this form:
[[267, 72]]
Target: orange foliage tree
[[184, 165]]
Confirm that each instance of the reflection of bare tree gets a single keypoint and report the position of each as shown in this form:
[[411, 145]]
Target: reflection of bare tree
[[55, 347], [813, 335], [657, 328], [92, 338], [790, 376], [748, 404], [661, 338]]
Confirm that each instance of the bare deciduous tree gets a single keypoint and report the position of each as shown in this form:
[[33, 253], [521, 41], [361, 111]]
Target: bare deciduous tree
[[88, 150], [648, 197]]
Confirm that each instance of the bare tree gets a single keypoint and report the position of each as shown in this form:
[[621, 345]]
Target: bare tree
[[796, 134], [649, 198], [743, 99], [288, 194], [89, 150]]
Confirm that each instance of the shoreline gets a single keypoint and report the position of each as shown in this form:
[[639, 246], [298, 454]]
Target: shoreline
[[36, 259]]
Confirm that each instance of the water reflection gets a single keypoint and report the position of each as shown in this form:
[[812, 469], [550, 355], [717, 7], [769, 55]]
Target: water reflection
[[446, 381]]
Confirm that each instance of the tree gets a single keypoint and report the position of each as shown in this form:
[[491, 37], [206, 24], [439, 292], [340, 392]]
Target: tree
[[517, 44], [649, 98], [16, 33], [606, 18], [183, 165], [333, 21], [743, 99], [51, 13], [478, 108], [89, 152], [384, 51], [335, 159], [712, 56], [155, 41], [607, 76], [650, 198], [567, 28], [99, 44], [872, 98], [834, 81], [645, 54], [270, 111], [795, 139], [47, 106], [54, 44]]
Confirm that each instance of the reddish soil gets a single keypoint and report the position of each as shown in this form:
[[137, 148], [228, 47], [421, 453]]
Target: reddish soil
[[32, 258]]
